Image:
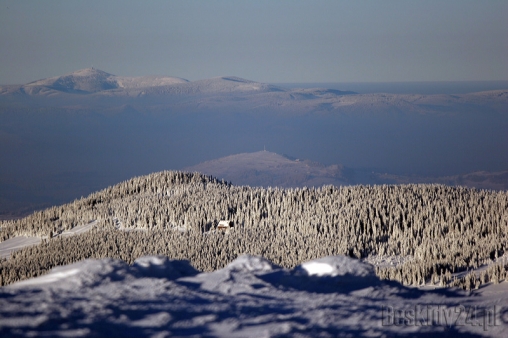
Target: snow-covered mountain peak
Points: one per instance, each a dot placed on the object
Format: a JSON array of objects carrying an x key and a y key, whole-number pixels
[
  {"x": 90, "y": 72},
  {"x": 88, "y": 80},
  {"x": 92, "y": 80}
]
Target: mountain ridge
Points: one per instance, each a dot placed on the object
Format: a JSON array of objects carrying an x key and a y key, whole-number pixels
[
  {"x": 98, "y": 83},
  {"x": 266, "y": 169},
  {"x": 95, "y": 81},
  {"x": 92, "y": 80}
]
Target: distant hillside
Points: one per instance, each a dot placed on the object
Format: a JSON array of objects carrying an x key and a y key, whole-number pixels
[
  {"x": 94, "y": 81},
  {"x": 91, "y": 80},
  {"x": 86, "y": 80},
  {"x": 265, "y": 168},
  {"x": 479, "y": 180}
]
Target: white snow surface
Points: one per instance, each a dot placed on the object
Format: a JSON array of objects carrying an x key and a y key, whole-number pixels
[
  {"x": 338, "y": 266},
  {"x": 10, "y": 245},
  {"x": 13, "y": 244},
  {"x": 80, "y": 229},
  {"x": 251, "y": 297}
]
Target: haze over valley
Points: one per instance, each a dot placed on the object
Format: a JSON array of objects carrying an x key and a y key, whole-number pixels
[{"x": 67, "y": 136}]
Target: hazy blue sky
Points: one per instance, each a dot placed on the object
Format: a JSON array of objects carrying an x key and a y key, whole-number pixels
[{"x": 267, "y": 41}]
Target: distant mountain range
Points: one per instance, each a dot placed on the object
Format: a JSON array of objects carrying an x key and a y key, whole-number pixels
[
  {"x": 230, "y": 92},
  {"x": 89, "y": 80},
  {"x": 94, "y": 81},
  {"x": 234, "y": 93},
  {"x": 266, "y": 169}
]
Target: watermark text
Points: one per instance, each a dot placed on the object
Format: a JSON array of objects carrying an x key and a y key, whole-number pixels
[{"x": 441, "y": 315}]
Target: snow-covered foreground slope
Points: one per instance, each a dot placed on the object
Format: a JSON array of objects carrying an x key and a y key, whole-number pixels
[{"x": 332, "y": 296}]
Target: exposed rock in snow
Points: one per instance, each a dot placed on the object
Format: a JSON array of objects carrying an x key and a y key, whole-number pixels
[{"x": 250, "y": 297}]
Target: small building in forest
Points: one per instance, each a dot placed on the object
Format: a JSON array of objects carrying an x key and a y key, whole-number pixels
[{"x": 224, "y": 225}]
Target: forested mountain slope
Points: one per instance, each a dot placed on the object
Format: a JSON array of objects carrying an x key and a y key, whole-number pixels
[{"x": 440, "y": 229}]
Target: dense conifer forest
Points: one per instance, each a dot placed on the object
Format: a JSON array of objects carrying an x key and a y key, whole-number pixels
[{"x": 439, "y": 229}]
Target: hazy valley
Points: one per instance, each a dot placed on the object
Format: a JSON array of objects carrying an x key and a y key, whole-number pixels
[{"x": 67, "y": 136}]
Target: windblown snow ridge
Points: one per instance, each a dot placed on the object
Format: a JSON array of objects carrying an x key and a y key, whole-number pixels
[{"x": 332, "y": 296}]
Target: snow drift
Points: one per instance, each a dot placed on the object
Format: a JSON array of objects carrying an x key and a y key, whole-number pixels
[{"x": 332, "y": 296}]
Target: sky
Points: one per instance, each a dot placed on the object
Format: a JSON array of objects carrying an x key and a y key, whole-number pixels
[{"x": 266, "y": 41}]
